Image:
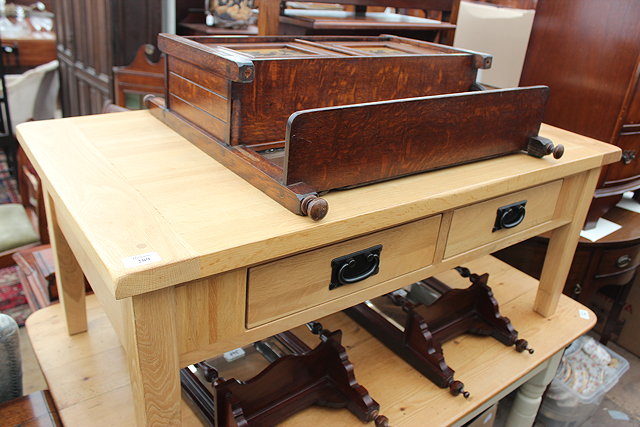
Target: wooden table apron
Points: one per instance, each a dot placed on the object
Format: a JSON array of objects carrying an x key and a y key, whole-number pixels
[{"x": 102, "y": 175}]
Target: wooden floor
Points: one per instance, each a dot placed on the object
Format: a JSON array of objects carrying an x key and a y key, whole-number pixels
[{"x": 88, "y": 377}]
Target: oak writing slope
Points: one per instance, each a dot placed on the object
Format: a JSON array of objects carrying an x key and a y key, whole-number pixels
[{"x": 299, "y": 117}]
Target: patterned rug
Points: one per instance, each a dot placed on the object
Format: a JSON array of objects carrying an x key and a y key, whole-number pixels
[
  {"x": 8, "y": 185},
  {"x": 12, "y": 299}
]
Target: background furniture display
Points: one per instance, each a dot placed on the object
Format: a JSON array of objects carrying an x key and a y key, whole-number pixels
[
  {"x": 274, "y": 18},
  {"x": 608, "y": 266},
  {"x": 588, "y": 53},
  {"x": 36, "y": 271},
  {"x": 23, "y": 226},
  {"x": 108, "y": 400},
  {"x": 93, "y": 37},
  {"x": 142, "y": 77},
  {"x": 482, "y": 27},
  {"x": 193, "y": 271}
]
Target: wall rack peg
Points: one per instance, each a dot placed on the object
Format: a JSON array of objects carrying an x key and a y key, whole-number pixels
[
  {"x": 472, "y": 310},
  {"x": 321, "y": 376}
]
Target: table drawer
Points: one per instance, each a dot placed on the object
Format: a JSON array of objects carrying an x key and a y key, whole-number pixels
[
  {"x": 479, "y": 224},
  {"x": 301, "y": 281}
]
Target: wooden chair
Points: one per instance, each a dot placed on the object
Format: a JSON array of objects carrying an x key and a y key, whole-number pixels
[
  {"x": 23, "y": 225},
  {"x": 141, "y": 77},
  {"x": 272, "y": 19}
]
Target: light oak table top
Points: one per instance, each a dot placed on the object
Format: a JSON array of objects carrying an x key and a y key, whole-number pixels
[
  {"x": 88, "y": 378},
  {"x": 131, "y": 186}
]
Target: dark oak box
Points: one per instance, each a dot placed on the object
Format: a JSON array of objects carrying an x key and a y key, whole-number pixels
[
  {"x": 300, "y": 116},
  {"x": 243, "y": 90}
]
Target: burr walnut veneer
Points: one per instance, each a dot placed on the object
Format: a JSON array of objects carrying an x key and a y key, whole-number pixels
[{"x": 179, "y": 251}]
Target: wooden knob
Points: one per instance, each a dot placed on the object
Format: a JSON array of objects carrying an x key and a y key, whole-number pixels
[
  {"x": 381, "y": 421},
  {"x": 456, "y": 387},
  {"x": 315, "y": 207},
  {"x": 558, "y": 151},
  {"x": 522, "y": 345}
]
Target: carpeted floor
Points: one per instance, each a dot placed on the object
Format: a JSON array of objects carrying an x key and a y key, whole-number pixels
[
  {"x": 12, "y": 299},
  {"x": 8, "y": 185}
]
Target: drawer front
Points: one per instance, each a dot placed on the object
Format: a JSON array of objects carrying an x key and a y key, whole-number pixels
[
  {"x": 302, "y": 281},
  {"x": 617, "y": 266},
  {"x": 474, "y": 225}
]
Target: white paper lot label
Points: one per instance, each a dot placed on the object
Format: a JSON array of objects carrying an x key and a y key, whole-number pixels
[{"x": 142, "y": 259}]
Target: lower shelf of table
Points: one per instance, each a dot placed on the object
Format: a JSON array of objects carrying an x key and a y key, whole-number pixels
[{"x": 88, "y": 377}]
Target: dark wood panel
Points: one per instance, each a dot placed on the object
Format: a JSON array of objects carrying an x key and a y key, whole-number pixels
[
  {"x": 204, "y": 78},
  {"x": 586, "y": 52},
  {"x": 35, "y": 409},
  {"x": 95, "y": 36},
  {"x": 408, "y": 136},
  {"x": 134, "y": 23},
  {"x": 207, "y": 100},
  {"x": 629, "y": 168},
  {"x": 265, "y": 111},
  {"x": 205, "y": 121}
]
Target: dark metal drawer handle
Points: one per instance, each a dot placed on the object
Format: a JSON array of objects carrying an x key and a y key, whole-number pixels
[
  {"x": 623, "y": 261},
  {"x": 355, "y": 267},
  {"x": 510, "y": 216}
]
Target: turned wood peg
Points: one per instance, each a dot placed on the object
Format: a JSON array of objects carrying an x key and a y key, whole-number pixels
[
  {"x": 457, "y": 387},
  {"x": 539, "y": 146},
  {"x": 381, "y": 421},
  {"x": 522, "y": 345},
  {"x": 558, "y": 151},
  {"x": 314, "y": 206}
]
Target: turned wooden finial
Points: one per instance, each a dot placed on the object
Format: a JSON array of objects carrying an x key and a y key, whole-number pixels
[
  {"x": 456, "y": 387},
  {"x": 381, "y": 421},
  {"x": 522, "y": 345},
  {"x": 314, "y": 206},
  {"x": 558, "y": 151}
]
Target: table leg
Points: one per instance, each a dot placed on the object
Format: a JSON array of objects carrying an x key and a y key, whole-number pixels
[
  {"x": 576, "y": 195},
  {"x": 153, "y": 358},
  {"x": 69, "y": 276},
  {"x": 529, "y": 395}
]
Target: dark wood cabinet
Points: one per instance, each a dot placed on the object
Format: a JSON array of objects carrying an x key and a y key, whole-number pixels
[
  {"x": 587, "y": 52},
  {"x": 606, "y": 268},
  {"x": 95, "y": 36}
]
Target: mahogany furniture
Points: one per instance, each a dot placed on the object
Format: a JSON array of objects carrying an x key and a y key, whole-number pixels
[
  {"x": 83, "y": 393},
  {"x": 93, "y": 37},
  {"x": 274, "y": 18},
  {"x": 32, "y": 219},
  {"x": 608, "y": 266},
  {"x": 221, "y": 95},
  {"x": 302, "y": 377},
  {"x": 188, "y": 260},
  {"x": 597, "y": 92},
  {"x": 35, "y": 409},
  {"x": 142, "y": 77},
  {"x": 419, "y": 338},
  {"x": 36, "y": 271}
]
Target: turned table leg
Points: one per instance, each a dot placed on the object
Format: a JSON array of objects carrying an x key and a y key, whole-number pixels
[
  {"x": 69, "y": 276},
  {"x": 153, "y": 358},
  {"x": 529, "y": 396}
]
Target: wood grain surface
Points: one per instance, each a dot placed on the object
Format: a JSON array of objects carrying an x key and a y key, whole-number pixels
[
  {"x": 395, "y": 138},
  {"x": 128, "y": 171},
  {"x": 73, "y": 365}
]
